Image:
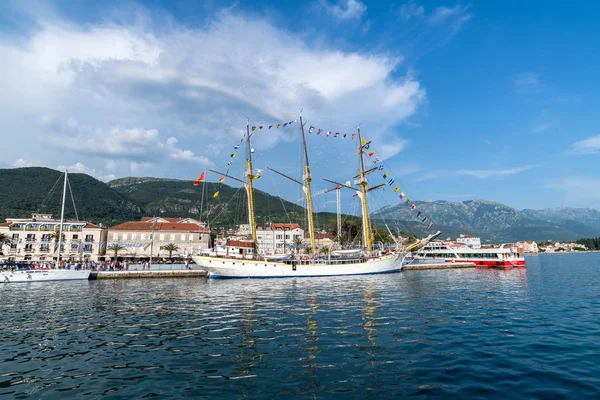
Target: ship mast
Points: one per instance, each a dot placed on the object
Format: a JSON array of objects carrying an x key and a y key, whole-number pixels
[
  {"x": 363, "y": 196},
  {"x": 62, "y": 218},
  {"x": 307, "y": 178},
  {"x": 248, "y": 184}
]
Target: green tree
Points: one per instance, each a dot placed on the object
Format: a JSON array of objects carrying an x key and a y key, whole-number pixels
[
  {"x": 115, "y": 248},
  {"x": 171, "y": 247},
  {"x": 55, "y": 237},
  {"x": 297, "y": 243}
]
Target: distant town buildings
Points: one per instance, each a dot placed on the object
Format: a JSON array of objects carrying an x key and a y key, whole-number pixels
[
  {"x": 36, "y": 239},
  {"x": 273, "y": 238},
  {"x": 529, "y": 246},
  {"x": 140, "y": 238},
  {"x": 468, "y": 240}
]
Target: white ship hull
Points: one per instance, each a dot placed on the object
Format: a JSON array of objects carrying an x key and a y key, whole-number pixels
[
  {"x": 234, "y": 268},
  {"x": 43, "y": 275}
]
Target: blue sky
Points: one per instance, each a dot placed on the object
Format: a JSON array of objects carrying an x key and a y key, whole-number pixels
[{"x": 482, "y": 100}]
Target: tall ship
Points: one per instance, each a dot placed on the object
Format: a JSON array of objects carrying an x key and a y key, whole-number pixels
[{"x": 239, "y": 258}]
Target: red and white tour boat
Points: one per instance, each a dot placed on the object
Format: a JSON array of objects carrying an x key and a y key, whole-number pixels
[{"x": 503, "y": 256}]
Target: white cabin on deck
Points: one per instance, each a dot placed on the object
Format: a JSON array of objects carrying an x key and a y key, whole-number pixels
[{"x": 230, "y": 248}]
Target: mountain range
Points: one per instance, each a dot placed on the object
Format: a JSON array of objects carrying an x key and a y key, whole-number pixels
[
  {"x": 35, "y": 189},
  {"x": 496, "y": 222}
]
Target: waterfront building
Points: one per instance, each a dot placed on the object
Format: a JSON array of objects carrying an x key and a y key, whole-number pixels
[
  {"x": 274, "y": 238},
  {"x": 151, "y": 234},
  {"x": 468, "y": 240},
  {"x": 529, "y": 246},
  {"x": 36, "y": 239}
]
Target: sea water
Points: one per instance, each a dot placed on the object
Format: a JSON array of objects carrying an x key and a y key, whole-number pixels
[{"x": 468, "y": 333}]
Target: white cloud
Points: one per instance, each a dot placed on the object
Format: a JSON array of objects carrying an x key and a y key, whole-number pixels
[
  {"x": 476, "y": 173},
  {"x": 126, "y": 93},
  {"x": 455, "y": 16},
  {"x": 346, "y": 9},
  {"x": 541, "y": 128},
  {"x": 21, "y": 163},
  {"x": 79, "y": 168},
  {"x": 410, "y": 11},
  {"x": 589, "y": 145}
]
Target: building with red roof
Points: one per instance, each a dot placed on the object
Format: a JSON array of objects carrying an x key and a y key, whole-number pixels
[{"x": 149, "y": 237}]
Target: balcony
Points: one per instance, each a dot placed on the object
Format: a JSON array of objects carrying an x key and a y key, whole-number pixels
[
  {"x": 44, "y": 250},
  {"x": 89, "y": 240}
]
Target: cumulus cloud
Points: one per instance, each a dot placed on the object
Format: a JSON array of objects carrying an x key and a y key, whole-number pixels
[
  {"x": 133, "y": 94},
  {"x": 79, "y": 168},
  {"x": 589, "y": 145},
  {"x": 21, "y": 163}
]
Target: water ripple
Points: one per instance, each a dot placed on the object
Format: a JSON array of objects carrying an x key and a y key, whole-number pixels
[{"x": 465, "y": 333}]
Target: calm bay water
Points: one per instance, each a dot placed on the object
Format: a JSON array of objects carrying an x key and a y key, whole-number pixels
[{"x": 530, "y": 333}]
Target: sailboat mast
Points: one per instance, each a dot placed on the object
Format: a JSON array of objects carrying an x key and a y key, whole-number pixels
[
  {"x": 307, "y": 180},
  {"x": 363, "y": 196},
  {"x": 62, "y": 216},
  {"x": 248, "y": 184}
]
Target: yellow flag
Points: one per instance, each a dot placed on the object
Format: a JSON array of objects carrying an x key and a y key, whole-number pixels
[
  {"x": 396, "y": 188},
  {"x": 216, "y": 194},
  {"x": 222, "y": 180},
  {"x": 364, "y": 141}
]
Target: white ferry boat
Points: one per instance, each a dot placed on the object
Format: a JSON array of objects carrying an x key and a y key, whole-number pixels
[{"x": 503, "y": 256}]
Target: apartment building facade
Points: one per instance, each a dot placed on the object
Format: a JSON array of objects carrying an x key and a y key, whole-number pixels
[
  {"x": 274, "y": 238},
  {"x": 36, "y": 239},
  {"x": 149, "y": 236}
]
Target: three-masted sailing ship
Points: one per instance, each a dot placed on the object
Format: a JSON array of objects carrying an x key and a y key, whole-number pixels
[{"x": 251, "y": 265}]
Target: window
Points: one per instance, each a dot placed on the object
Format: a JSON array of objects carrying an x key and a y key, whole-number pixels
[
  {"x": 287, "y": 236},
  {"x": 115, "y": 236},
  {"x": 171, "y": 236},
  {"x": 75, "y": 237},
  {"x": 30, "y": 236},
  {"x": 28, "y": 247},
  {"x": 279, "y": 237},
  {"x": 15, "y": 236},
  {"x": 89, "y": 238},
  {"x": 74, "y": 246},
  {"x": 88, "y": 247},
  {"x": 143, "y": 236},
  {"x": 183, "y": 236},
  {"x": 296, "y": 236},
  {"x": 124, "y": 236},
  {"x": 45, "y": 237},
  {"x": 133, "y": 236},
  {"x": 191, "y": 237},
  {"x": 162, "y": 236}
]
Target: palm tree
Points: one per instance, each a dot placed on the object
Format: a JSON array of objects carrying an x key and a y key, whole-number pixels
[
  {"x": 54, "y": 236},
  {"x": 116, "y": 247},
  {"x": 4, "y": 239},
  {"x": 324, "y": 250},
  {"x": 297, "y": 244},
  {"x": 171, "y": 247}
]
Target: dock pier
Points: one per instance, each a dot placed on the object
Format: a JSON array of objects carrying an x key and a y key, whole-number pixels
[{"x": 182, "y": 273}]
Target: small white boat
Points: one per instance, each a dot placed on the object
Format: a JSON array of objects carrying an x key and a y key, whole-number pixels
[
  {"x": 16, "y": 274},
  {"x": 346, "y": 253}
]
